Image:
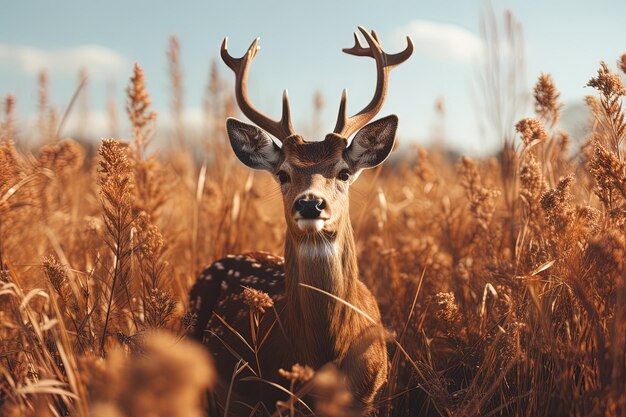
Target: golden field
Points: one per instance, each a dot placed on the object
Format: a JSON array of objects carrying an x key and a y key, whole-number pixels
[{"x": 500, "y": 280}]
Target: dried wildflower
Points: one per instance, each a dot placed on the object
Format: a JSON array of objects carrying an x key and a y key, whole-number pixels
[
  {"x": 512, "y": 349},
  {"x": 62, "y": 157},
  {"x": 622, "y": 63},
  {"x": 607, "y": 82},
  {"x": 159, "y": 304},
  {"x": 531, "y": 180},
  {"x": 150, "y": 238},
  {"x": 5, "y": 276},
  {"x": 531, "y": 130},
  {"x": 257, "y": 300},
  {"x": 152, "y": 189},
  {"x": 563, "y": 141},
  {"x": 608, "y": 252},
  {"x": 6, "y": 125},
  {"x": 57, "y": 276},
  {"x": 115, "y": 159},
  {"x": 590, "y": 218},
  {"x": 555, "y": 203},
  {"x": 547, "y": 104},
  {"x": 448, "y": 311},
  {"x": 482, "y": 200},
  {"x": 176, "y": 80},
  {"x": 116, "y": 182},
  {"x": 609, "y": 173},
  {"x": 298, "y": 373},
  {"x": 42, "y": 104},
  {"x": 464, "y": 269},
  {"x": 159, "y": 308},
  {"x": 423, "y": 166},
  {"x": 10, "y": 164},
  {"x": 9, "y": 107},
  {"x": 611, "y": 127},
  {"x": 138, "y": 108},
  {"x": 189, "y": 321}
]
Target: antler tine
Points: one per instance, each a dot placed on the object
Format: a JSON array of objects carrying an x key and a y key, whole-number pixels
[
  {"x": 375, "y": 36},
  {"x": 342, "y": 118},
  {"x": 282, "y": 128},
  {"x": 235, "y": 63},
  {"x": 285, "y": 119},
  {"x": 357, "y": 49},
  {"x": 397, "y": 59},
  {"x": 346, "y": 126}
]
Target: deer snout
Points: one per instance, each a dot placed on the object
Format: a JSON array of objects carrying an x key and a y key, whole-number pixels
[
  {"x": 309, "y": 213},
  {"x": 310, "y": 208}
]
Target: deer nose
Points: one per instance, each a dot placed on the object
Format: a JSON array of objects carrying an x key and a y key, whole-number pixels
[{"x": 310, "y": 209}]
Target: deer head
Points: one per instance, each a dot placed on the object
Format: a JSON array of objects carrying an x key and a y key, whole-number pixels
[{"x": 314, "y": 177}]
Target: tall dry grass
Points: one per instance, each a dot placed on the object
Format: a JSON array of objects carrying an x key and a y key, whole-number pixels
[{"x": 502, "y": 279}]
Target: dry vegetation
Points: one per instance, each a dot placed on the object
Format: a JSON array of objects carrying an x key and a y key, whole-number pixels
[{"x": 505, "y": 291}]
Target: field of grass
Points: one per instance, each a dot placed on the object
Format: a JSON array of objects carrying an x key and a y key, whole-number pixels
[{"x": 502, "y": 279}]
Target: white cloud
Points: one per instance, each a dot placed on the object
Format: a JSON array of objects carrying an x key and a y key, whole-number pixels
[
  {"x": 100, "y": 62},
  {"x": 442, "y": 40}
]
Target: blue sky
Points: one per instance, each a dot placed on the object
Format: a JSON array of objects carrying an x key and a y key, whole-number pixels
[{"x": 300, "y": 50}]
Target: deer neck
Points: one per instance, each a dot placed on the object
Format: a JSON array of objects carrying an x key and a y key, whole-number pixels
[{"x": 318, "y": 324}]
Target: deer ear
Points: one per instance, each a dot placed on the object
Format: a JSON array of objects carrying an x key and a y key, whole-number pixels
[
  {"x": 373, "y": 143},
  {"x": 252, "y": 145}
]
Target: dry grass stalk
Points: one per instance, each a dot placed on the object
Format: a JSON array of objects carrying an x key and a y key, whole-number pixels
[
  {"x": 609, "y": 115},
  {"x": 7, "y": 127},
  {"x": 257, "y": 300},
  {"x": 176, "y": 80},
  {"x": 547, "y": 104},
  {"x": 139, "y": 110},
  {"x": 116, "y": 183}
]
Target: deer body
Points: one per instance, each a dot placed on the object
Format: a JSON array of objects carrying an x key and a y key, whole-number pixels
[{"x": 322, "y": 312}]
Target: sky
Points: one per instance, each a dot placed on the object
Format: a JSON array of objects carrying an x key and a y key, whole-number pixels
[{"x": 301, "y": 46}]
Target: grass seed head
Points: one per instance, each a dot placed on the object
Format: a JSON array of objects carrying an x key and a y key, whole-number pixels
[
  {"x": 547, "y": 104},
  {"x": 607, "y": 82},
  {"x": 531, "y": 130},
  {"x": 257, "y": 300},
  {"x": 298, "y": 373},
  {"x": 622, "y": 63}
]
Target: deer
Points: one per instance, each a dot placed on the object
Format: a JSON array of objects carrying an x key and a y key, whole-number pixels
[{"x": 322, "y": 312}]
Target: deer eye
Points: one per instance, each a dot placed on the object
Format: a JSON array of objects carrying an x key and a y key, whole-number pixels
[
  {"x": 283, "y": 177},
  {"x": 344, "y": 175}
]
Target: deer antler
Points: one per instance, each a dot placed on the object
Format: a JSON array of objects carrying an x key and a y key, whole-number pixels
[
  {"x": 282, "y": 128},
  {"x": 346, "y": 126}
]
